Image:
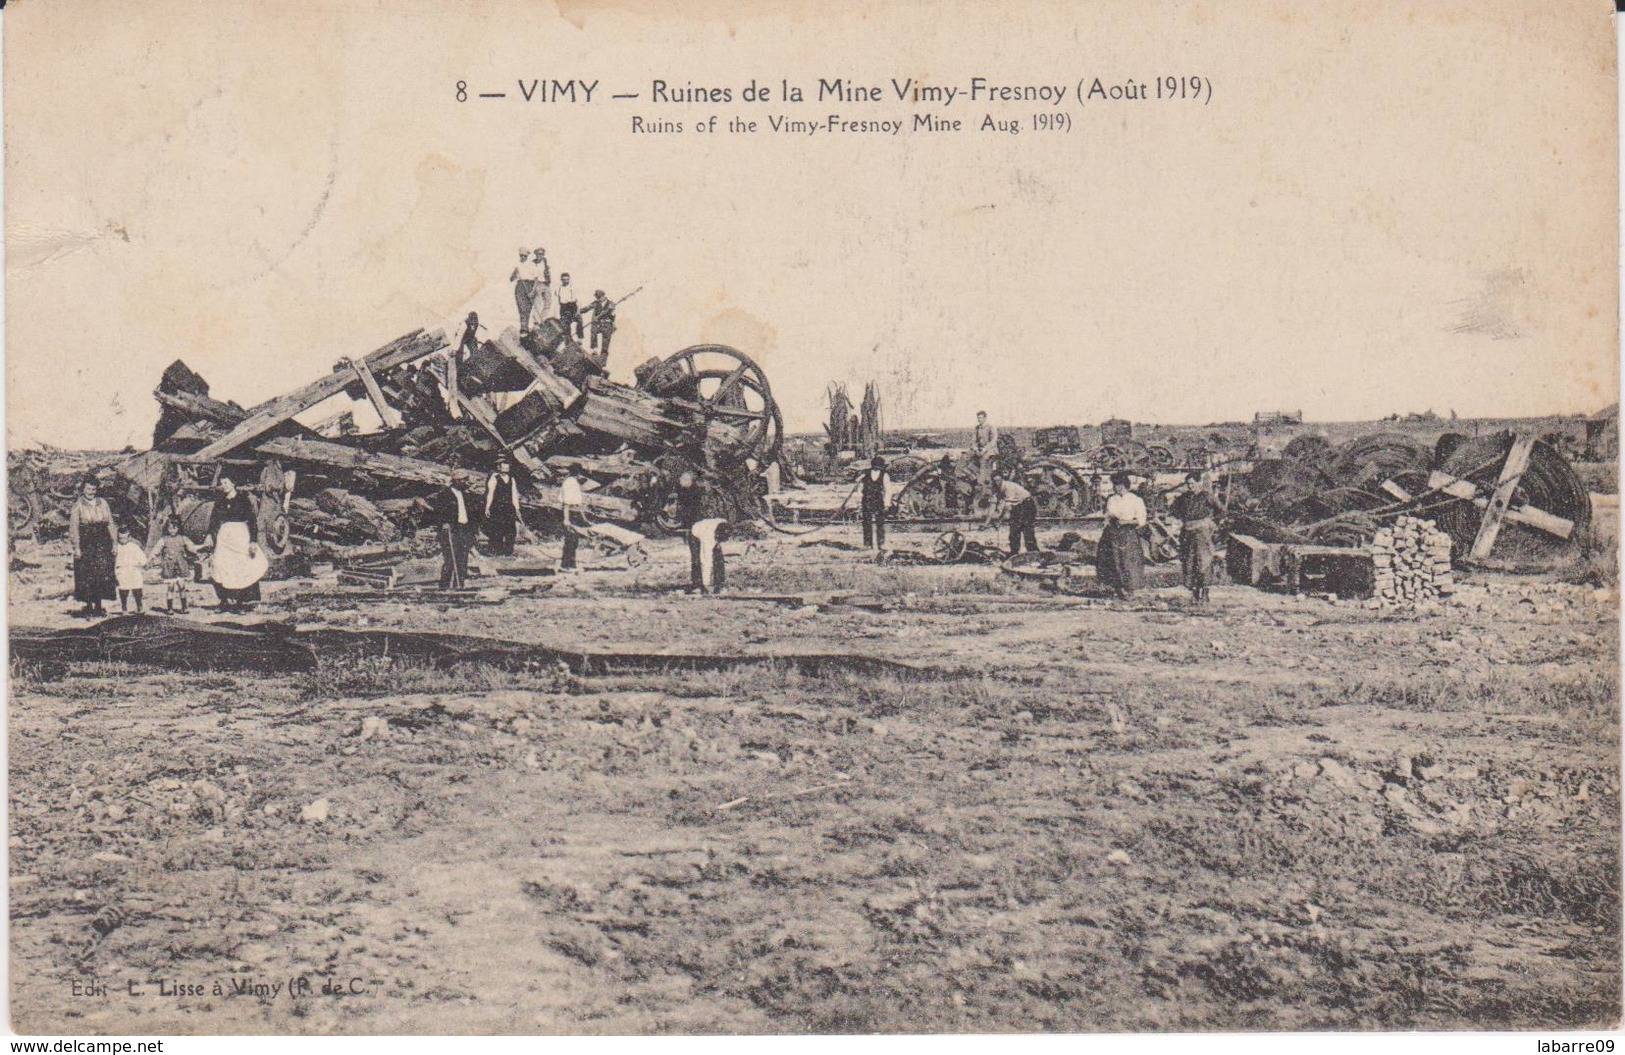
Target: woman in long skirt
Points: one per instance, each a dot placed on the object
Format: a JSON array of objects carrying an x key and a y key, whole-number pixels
[
  {"x": 92, "y": 535},
  {"x": 1120, "y": 562},
  {"x": 238, "y": 563}
]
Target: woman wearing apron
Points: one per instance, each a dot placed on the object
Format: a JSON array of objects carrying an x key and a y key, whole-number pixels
[
  {"x": 239, "y": 563},
  {"x": 92, "y": 535}
]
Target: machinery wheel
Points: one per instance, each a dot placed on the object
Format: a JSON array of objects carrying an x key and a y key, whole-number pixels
[
  {"x": 1058, "y": 489},
  {"x": 726, "y": 386},
  {"x": 22, "y": 512},
  {"x": 1549, "y": 485},
  {"x": 949, "y": 547},
  {"x": 1108, "y": 457},
  {"x": 926, "y": 494},
  {"x": 1160, "y": 457}
]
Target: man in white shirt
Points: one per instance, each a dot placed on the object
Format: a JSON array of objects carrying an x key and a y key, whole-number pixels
[
  {"x": 524, "y": 289},
  {"x": 1023, "y": 509},
  {"x": 710, "y": 534},
  {"x": 1120, "y": 562},
  {"x": 569, "y": 307},
  {"x": 573, "y": 504},
  {"x": 455, "y": 519}
]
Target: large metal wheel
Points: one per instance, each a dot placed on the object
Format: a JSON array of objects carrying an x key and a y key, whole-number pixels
[
  {"x": 1059, "y": 490},
  {"x": 1548, "y": 485},
  {"x": 1160, "y": 456},
  {"x": 22, "y": 512},
  {"x": 1108, "y": 457},
  {"x": 725, "y": 385},
  {"x": 935, "y": 493}
]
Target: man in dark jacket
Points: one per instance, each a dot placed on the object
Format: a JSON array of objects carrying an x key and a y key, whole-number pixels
[
  {"x": 502, "y": 509},
  {"x": 1197, "y": 515},
  {"x": 873, "y": 509}
]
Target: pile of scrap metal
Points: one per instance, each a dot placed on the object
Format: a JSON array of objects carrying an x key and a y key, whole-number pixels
[
  {"x": 537, "y": 399},
  {"x": 1506, "y": 499}
]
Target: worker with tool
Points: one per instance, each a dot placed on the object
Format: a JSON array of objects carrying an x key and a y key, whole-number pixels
[
  {"x": 1196, "y": 512},
  {"x": 1023, "y": 509},
  {"x": 603, "y": 324}
]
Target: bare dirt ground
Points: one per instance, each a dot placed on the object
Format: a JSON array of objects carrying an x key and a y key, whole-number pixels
[{"x": 1276, "y": 813}]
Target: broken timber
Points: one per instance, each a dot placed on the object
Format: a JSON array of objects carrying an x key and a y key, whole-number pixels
[{"x": 269, "y": 415}]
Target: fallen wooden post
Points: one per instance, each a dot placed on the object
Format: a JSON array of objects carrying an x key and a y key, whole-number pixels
[{"x": 269, "y": 415}]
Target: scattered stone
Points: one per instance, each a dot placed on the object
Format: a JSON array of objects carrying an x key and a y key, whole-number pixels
[
  {"x": 1119, "y": 858},
  {"x": 315, "y": 813},
  {"x": 1338, "y": 774}
]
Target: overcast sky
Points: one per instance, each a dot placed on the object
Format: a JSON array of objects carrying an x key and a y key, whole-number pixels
[{"x": 1374, "y": 213}]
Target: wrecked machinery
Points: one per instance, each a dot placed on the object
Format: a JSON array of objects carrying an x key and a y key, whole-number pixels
[{"x": 537, "y": 399}]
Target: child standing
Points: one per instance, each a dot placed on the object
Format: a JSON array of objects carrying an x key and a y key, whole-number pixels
[
  {"x": 175, "y": 553},
  {"x": 129, "y": 569}
]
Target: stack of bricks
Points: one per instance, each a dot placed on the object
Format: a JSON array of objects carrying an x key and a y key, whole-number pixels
[{"x": 1412, "y": 561}]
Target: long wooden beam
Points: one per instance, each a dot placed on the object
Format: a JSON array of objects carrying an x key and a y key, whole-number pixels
[
  {"x": 269, "y": 415},
  {"x": 1512, "y": 470},
  {"x": 386, "y": 413}
]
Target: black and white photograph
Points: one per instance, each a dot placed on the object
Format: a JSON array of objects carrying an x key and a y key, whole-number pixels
[{"x": 605, "y": 518}]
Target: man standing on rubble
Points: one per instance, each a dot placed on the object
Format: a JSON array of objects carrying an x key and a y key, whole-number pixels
[
  {"x": 502, "y": 509},
  {"x": 603, "y": 324},
  {"x": 524, "y": 289},
  {"x": 456, "y": 521},
  {"x": 1194, "y": 508},
  {"x": 984, "y": 445},
  {"x": 544, "y": 284},
  {"x": 569, "y": 309}
]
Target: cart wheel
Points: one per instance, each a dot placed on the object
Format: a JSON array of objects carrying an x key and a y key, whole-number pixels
[
  {"x": 21, "y": 513},
  {"x": 636, "y": 555}
]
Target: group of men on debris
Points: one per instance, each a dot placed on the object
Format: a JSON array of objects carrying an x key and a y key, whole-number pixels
[{"x": 534, "y": 295}]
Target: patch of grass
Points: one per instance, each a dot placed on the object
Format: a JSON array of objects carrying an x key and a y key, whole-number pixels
[
  {"x": 349, "y": 675},
  {"x": 1593, "y": 694}
]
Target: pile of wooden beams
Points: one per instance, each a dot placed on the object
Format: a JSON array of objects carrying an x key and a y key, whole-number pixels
[{"x": 1412, "y": 561}]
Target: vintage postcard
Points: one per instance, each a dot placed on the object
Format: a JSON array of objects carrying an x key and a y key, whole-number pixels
[{"x": 608, "y": 517}]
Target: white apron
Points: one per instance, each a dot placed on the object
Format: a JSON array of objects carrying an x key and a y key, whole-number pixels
[{"x": 234, "y": 568}]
